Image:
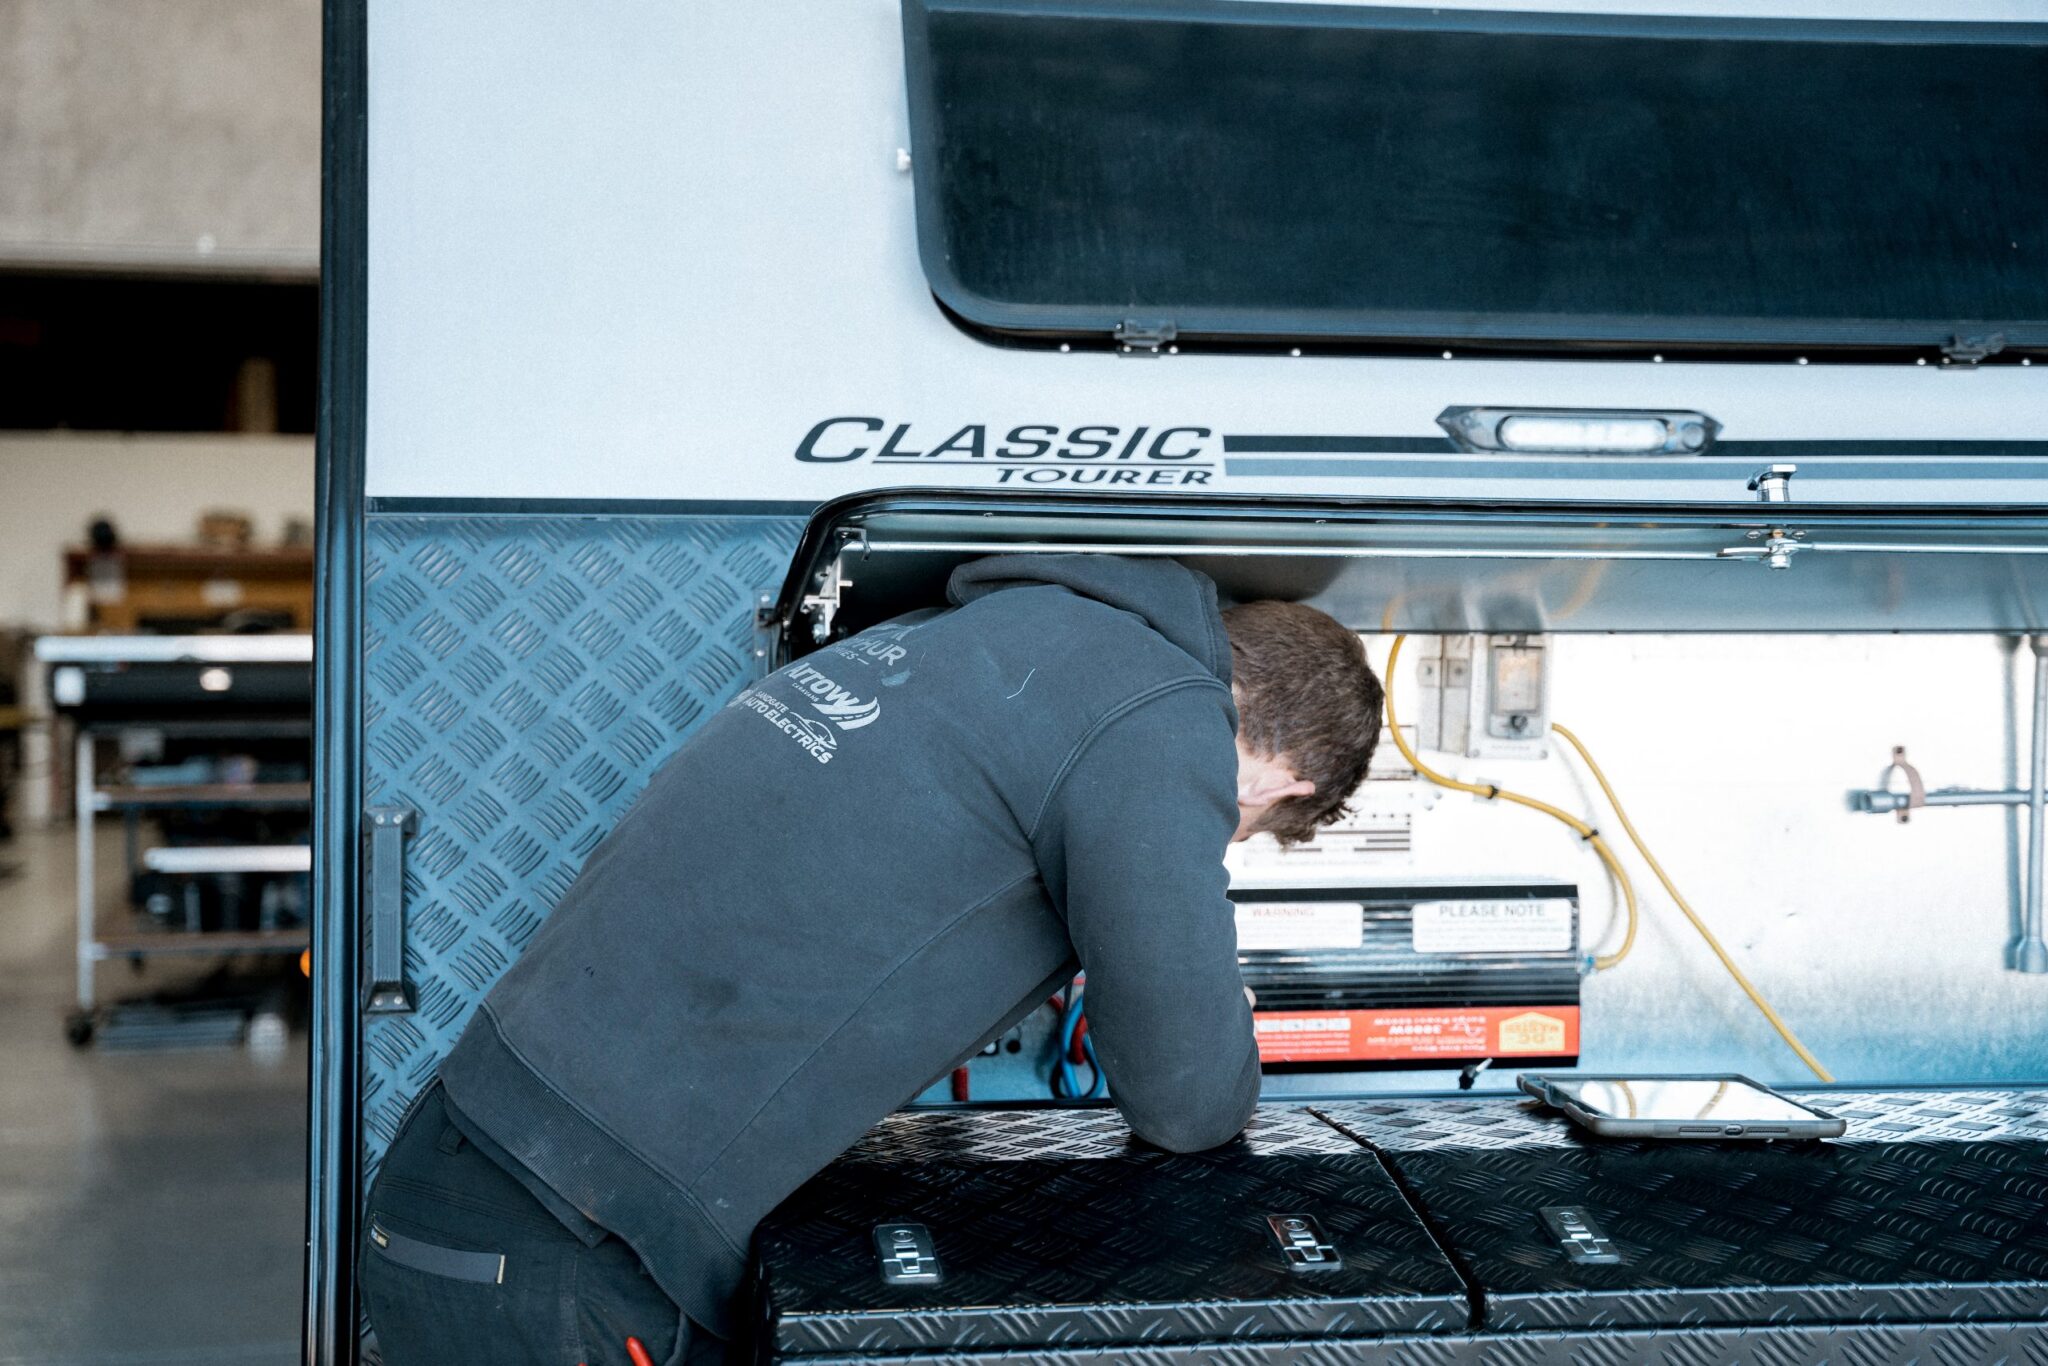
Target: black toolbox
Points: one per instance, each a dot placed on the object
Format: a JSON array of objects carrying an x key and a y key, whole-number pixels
[
  {"x": 1023, "y": 1230},
  {"x": 1467, "y": 1230}
]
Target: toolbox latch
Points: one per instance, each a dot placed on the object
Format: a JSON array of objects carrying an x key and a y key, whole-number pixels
[
  {"x": 1581, "y": 1238},
  {"x": 1302, "y": 1243},
  {"x": 908, "y": 1257}
]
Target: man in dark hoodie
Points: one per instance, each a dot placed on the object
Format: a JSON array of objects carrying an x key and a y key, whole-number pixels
[{"x": 864, "y": 868}]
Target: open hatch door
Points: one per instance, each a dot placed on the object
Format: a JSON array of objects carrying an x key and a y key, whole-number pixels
[{"x": 1447, "y": 567}]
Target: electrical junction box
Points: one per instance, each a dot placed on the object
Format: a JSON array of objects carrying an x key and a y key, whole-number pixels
[
  {"x": 1372, "y": 841},
  {"x": 1417, "y": 975},
  {"x": 1485, "y": 697}
]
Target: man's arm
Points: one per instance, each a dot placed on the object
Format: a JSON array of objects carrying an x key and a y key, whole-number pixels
[{"x": 1131, "y": 847}]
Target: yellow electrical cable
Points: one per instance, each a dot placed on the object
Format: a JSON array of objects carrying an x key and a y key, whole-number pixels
[
  {"x": 1621, "y": 813},
  {"x": 1488, "y": 790}
]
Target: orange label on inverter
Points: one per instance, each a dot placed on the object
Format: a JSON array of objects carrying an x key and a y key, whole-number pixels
[{"x": 1426, "y": 1032}]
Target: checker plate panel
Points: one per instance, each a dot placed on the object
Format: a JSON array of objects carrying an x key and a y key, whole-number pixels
[{"x": 523, "y": 678}]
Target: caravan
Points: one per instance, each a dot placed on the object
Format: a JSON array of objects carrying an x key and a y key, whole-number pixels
[{"x": 1664, "y": 375}]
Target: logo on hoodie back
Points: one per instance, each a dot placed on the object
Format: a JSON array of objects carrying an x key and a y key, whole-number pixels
[
  {"x": 837, "y": 709},
  {"x": 833, "y": 702}
]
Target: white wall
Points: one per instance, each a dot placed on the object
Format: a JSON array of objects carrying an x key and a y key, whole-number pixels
[
  {"x": 153, "y": 486},
  {"x": 181, "y": 134},
  {"x": 1882, "y": 944}
]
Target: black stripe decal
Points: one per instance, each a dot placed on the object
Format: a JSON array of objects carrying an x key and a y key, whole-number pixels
[
  {"x": 1731, "y": 450},
  {"x": 487, "y": 1268},
  {"x": 1336, "y": 445}
]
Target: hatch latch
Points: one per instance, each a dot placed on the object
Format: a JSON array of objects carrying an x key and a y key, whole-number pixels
[
  {"x": 1969, "y": 350},
  {"x": 1135, "y": 338}
]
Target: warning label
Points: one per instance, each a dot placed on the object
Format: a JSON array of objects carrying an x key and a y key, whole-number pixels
[
  {"x": 1300, "y": 925},
  {"x": 1493, "y": 926},
  {"x": 1453, "y": 1033}
]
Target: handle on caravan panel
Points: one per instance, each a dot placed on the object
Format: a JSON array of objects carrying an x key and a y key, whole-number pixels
[{"x": 385, "y": 878}]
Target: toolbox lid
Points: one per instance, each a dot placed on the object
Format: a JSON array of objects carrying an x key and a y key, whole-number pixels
[
  {"x": 1054, "y": 1227},
  {"x": 1934, "y": 1208}
]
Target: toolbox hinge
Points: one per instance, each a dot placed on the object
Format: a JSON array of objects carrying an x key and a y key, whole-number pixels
[
  {"x": 1134, "y": 338},
  {"x": 1969, "y": 350}
]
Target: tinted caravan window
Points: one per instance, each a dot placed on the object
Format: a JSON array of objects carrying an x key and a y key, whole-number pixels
[{"x": 1262, "y": 170}]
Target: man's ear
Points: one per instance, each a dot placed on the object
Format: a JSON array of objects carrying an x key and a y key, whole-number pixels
[{"x": 1270, "y": 785}]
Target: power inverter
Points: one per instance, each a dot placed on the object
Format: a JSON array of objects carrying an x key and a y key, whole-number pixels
[{"x": 1418, "y": 975}]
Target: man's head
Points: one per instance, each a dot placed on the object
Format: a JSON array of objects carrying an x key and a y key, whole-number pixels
[{"x": 1308, "y": 717}]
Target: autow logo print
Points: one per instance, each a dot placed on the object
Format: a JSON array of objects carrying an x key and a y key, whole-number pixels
[
  {"x": 843, "y": 709},
  {"x": 840, "y": 710}
]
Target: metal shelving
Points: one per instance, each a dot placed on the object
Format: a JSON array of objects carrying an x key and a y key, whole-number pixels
[{"x": 131, "y": 937}]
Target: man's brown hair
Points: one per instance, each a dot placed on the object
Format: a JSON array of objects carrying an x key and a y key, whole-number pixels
[{"x": 1306, "y": 697}]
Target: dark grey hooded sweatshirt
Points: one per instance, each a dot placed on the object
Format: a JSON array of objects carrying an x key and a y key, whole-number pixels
[{"x": 862, "y": 869}]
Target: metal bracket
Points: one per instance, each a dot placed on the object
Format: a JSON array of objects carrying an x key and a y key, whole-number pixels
[
  {"x": 766, "y": 625},
  {"x": 388, "y": 993},
  {"x": 1773, "y": 483},
  {"x": 1916, "y": 790},
  {"x": 822, "y": 606},
  {"x": 1134, "y": 338},
  {"x": 1773, "y": 551},
  {"x": 1302, "y": 1243},
  {"x": 1968, "y": 351}
]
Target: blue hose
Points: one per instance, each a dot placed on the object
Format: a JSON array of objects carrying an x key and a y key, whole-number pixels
[{"x": 1066, "y": 1079}]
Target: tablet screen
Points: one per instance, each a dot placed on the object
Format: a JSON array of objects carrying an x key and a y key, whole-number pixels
[{"x": 1729, "y": 1101}]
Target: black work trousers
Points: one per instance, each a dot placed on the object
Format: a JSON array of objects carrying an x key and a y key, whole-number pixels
[{"x": 461, "y": 1264}]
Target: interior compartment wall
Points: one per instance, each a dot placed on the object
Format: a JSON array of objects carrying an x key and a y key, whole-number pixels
[{"x": 1883, "y": 944}]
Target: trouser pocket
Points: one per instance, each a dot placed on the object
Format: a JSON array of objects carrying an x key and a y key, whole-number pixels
[
  {"x": 461, "y": 1264},
  {"x": 485, "y": 1268},
  {"x": 434, "y": 1302}
]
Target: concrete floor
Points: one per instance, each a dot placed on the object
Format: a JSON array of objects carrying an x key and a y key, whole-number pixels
[{"x": 151, "y": 1207}]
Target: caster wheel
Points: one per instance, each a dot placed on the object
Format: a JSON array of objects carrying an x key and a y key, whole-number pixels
[{"x": 78, "y": 1028}]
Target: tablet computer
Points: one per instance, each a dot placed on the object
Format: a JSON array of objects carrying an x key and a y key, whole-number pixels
[{"x": 1726, "y": 1107}]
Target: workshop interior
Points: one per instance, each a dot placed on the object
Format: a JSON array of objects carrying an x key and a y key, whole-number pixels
[{"x": 1655, "y": 389}]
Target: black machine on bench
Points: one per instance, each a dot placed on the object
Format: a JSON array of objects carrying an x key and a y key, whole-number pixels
[{"x": 1422, "y": 1231}]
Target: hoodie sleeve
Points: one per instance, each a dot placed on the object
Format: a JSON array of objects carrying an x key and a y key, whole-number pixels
[{"x": 1131, "y": 848}]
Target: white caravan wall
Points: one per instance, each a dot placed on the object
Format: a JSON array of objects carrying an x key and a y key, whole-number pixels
[
  {"x": 639, "y": 250},
  {"x": 154, "y": 487}
]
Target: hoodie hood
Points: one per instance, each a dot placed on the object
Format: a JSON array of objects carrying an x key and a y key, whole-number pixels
[{"x": 1177, "y": 602}]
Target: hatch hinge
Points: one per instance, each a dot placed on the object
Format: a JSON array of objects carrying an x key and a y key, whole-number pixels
[
  {"x": 1134, "y": 338},
  {"x": 1962, "y": 350},
  {"x": 822, "y": 605}
]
